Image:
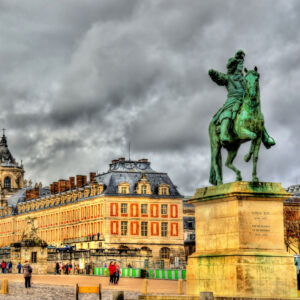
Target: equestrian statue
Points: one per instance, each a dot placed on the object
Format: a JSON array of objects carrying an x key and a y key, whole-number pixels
[{"x": 239, "y": 120}]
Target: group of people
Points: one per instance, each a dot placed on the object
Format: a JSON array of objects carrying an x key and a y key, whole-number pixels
[
  {"x": 6, "y": 267},
  {"x": 61, "y": 268},
  {"x": 27, "y": 270},
  {"x": 114, "y": 273}
]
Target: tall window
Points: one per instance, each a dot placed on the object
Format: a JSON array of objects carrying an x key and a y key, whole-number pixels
[
  {"x": 123, "y": 208},
  {"x": 144, "y": 229},
  {"x": 144, "y": 189},
  {"x": 123, "y": 190},
  {"x": 33, "y": 257},
  {"x": 164, "y": 229},
  {"x": 164, "y": 209},
  {"x": 144, "y": 209},
  {"x": 165, "y": 252},
  {"x": 7, "y": 182},
  {"x": 123, "y": 227}
]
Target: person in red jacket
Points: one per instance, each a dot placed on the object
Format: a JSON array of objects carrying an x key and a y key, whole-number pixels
[
  {"x": 3, "y": 266},
  {"x": 112, "y": 272}
]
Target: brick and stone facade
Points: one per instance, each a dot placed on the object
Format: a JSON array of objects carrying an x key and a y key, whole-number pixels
[{"x": 130, "y": 206}]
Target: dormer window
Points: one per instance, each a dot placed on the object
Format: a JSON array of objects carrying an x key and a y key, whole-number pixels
[
  {"x": 144, "y": 189},
  {"x": 7, "y": 182},
  {"x": 164, "y": 190},
  {"x": 143, "y": 186},
  {"x": 100, "y": 189},
  {"x": 123, "y": 188}
]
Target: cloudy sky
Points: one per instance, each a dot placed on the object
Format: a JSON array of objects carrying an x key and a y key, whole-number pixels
[{"x": 79, "y": 80}]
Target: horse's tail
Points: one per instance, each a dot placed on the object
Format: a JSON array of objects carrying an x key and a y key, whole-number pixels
[{"x": 212, "y": 173}]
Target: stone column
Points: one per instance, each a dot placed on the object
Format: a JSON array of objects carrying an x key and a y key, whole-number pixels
[{"x": 240, "y": 242}]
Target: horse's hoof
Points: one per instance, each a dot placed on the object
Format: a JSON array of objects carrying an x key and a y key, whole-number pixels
[
  {"x": 255, "y": 179},
  {"x": 238, "y": 178},
  {"x": 247, "y": 157}
]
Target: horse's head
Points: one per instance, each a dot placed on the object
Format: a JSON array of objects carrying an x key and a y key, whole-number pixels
[{"x": 252, "y": 82}]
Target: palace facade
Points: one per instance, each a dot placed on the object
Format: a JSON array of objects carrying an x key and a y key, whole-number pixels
[{"x": 130, "y": 206}]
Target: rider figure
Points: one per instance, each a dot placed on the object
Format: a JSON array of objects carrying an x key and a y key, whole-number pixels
[{"x": 235, "y": 84}]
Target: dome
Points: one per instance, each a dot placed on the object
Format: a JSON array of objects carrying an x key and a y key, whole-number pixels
[{"x": 5, "y": 154}]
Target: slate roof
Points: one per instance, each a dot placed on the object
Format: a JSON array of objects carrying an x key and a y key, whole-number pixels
[
  {"x": 131, "y": 172},
  {"x": 120, "y": 171},
  {"x": 20, "y": 195}
]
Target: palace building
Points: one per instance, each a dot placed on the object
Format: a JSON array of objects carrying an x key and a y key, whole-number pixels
[{"x": 130, "y": 206}]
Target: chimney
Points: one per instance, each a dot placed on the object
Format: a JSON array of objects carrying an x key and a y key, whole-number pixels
[
  {"x": 92, "y": 177},
  {"x": 28, "y": 195},
  {"x": 51, "y": 188},
  {"x": 36, "y": 192},
  {"x": 72, "y": 182},
  {"x": 79, "y": 182},
  {"x": 143, "y": 160},
  {"x": 62, "y": 185},
  {"x": 84, "y": 179},
  {"x": 55, "y": 187}
]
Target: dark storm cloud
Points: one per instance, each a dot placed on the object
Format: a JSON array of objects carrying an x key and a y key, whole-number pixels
[{"x": 80, "y": 80}]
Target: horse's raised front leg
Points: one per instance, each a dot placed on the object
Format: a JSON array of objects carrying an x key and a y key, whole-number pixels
[
  {"x": 255, "y": 159},
  {"x": 231, "y": 156}
]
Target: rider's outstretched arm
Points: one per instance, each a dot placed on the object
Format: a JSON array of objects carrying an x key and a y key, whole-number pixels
[{"x": 218, "y": 77}]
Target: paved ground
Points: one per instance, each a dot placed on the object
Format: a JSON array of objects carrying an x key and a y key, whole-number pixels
[{"x": 62, "y": 287}]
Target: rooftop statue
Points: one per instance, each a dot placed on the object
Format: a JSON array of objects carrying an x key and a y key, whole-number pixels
[{"x": 239, "y": 120}]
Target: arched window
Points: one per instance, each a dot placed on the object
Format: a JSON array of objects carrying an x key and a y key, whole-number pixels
[
  {"x": 164, "y": 252},
  {"x": 7, "y": 182}
]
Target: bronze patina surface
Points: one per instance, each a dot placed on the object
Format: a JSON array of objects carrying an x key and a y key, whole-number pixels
[{"x": 239, "y": 120}]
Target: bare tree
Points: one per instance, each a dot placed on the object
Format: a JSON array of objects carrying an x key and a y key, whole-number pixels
[{"x": 292, "y": 227}]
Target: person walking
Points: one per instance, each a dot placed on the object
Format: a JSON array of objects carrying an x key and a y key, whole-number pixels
[
  {"x": 111, "y": 271},
  {"x": 3, "y": 266},
  {"x": 19, "y": 267},
  {"x": 9, "y": 267},
  {"x": 70, "y": 267},
  {"x": 27, "y": 274},
  {"x": 117, "y": 274},
  {"x": 57, "y": 268}
]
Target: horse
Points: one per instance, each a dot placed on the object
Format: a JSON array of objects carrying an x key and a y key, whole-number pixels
[{"x": 247, "y": 126}]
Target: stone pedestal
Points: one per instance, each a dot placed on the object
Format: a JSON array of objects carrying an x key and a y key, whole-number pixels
[{"x": 240, "y": 242}]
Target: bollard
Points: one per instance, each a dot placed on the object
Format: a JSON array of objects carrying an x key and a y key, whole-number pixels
[
  {"x": 145, "y": 286},
  {"x": 206, "y": 296},
  {"x": 4, "y": 288},
  {"x": 118, "y": 295},
  {"x": 180, "y": 287}
]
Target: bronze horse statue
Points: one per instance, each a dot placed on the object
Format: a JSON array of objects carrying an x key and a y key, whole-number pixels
[{"x": 248, "y": 126}]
